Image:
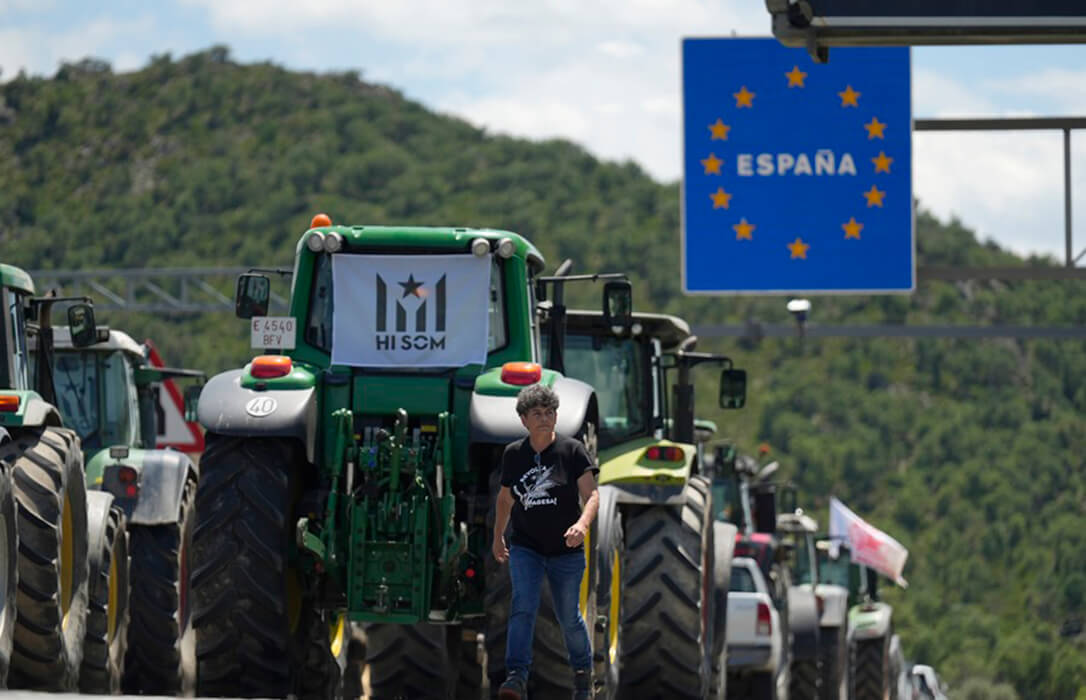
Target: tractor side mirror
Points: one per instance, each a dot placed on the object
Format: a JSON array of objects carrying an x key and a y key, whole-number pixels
[
  {"x": 81, "y": 324},
  {"x": 618, "y": 304},
  {"x": 733, "y": 388},
  {"x": 251, "y": 298},
  {"x": 192, "y": 400}
]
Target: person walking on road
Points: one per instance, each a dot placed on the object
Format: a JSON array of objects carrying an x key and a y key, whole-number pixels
[{"x": 544, "y": 478}]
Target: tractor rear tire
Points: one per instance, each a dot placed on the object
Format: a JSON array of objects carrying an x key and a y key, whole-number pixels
[
  {"x": 9, "y": 577},
  {"x": 254, "y": 639},
  {"x": 162, "y": 642},
  {"x": 408, "y": 661},
  {"x": 610, "y": 548},
  {"x": 108, "y": 612},
  {"x": 871, "y": 669},
  {"x": 803, "y": 680},
  {"x": 832, "y": 650},
  {"x": 668, "y": 601},
  {"x": 52, "y": 564}
]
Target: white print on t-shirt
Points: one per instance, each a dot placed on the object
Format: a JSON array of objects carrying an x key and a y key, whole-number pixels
[{"x": 534, "y": 487}]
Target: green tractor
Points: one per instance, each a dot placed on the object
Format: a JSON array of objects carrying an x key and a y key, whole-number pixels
[
  {"x": 350, "y": 471},
  {"x": 874, "y": 667},
  {"x": 107, "y": 392},
  {"x": 664, "y": 564},
  {"x": 65, "y": 627}
]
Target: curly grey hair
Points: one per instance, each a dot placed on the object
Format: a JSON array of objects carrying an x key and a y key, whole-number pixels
[{"x": 536, "y": 396}]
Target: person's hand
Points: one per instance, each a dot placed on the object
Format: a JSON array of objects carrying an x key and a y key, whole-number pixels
[
  {"x": 575, "y": 535},
  {"x": 501, "y": 552}
]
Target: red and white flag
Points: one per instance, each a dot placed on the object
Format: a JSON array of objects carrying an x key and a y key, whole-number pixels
[{"x": 867, "y": 544}]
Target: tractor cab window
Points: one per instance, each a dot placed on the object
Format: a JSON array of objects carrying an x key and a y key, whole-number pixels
[
  {"x": 804, "y": 571},
  {"x": 497, "y": 334},
  {"x": 18, "y": 353},
  {"x": 318, "y": 328},
  {"x": 75, "y": 378},
  {"x": 120, "y": 404},
  {"x": 616, "y": 368},
  {"x": 835, "y": 571}
]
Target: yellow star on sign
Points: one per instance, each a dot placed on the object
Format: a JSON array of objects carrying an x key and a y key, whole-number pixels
[
  {"x": 798, "y": 248},
  {"x": 882, "y": 163},
  {"x": 720, "y": 130},
  {"x": 874, "y": 196},
  {"x": 874, "y": 129},
  {"x": 852, "y": 228},
  {"x": 712, "y": 164},
  {"x": 796, "y": 77},
  {"x": 743, "y": 229},
  {"x": 743, "y": 98},
  {"x": 849, "y": 96},
  {"x": 721, "y": 198}
]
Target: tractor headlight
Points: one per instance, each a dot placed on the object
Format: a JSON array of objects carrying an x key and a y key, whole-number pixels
[
  {"x": 506, "y": 247},
  {"x": 333, "y": 243},
  {"x": 315, "y": 242},
  {"x": 480, "y": 247}
]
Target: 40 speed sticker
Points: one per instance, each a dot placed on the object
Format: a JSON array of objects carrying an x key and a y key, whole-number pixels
[{"x": 261, "y": 406}]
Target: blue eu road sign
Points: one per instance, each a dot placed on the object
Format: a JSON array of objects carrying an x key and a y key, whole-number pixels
[{"x": 797, "y": 176}]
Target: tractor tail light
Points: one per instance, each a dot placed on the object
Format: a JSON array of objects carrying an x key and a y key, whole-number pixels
[
  {"x": 270, "y": 366},
  {"x": 764, "y": 626},
  {"x": 668, "y": 453},
  {"x": 9, "y": 403},
  {"x": 521, "y": 373},
  {"x": 126, "y": 475}
]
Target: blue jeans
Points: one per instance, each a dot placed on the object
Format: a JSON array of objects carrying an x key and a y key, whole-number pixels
[{"x": 564, "y": 572}]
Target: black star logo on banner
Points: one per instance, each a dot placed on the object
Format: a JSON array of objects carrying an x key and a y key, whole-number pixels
[{"x": 411, "y": 287}]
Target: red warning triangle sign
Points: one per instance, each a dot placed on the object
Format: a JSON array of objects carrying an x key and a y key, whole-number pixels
[{"x": 173, "y": 430}]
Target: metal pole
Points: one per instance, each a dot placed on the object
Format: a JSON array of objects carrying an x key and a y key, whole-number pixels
[{"x": 1067, "y": 194}]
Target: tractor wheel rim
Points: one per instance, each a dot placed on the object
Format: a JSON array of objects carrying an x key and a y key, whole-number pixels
[
  {"x": 67, "y": 559},
  {"x": 615, "y": 606}
]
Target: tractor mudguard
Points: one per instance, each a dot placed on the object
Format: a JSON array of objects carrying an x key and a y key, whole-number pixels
[
  {"x": 227, "y": 408},
  {"x": 494, "y": 419},
  {"x": 834, "y": 604},
  {"x": 869, "y": 621},
  {"x": 162, "y": 485},
  {"x": 34, "y": 412},
  {"x": 98, "y": 505},
  {"x": 803, "y": 623}
]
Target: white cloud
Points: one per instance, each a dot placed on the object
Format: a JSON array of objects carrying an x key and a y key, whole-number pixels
[
  {"x": 7, "y": 6},
  {"x": 1064, "y": 89},
  {"x": 40, "y": 51},
  {"x": 620, "y": 49}
]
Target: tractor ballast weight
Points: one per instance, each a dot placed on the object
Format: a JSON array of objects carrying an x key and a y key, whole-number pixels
[{"x": 376, "y": 471}]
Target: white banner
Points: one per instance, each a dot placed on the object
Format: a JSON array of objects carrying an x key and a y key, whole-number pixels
[
  {"x": 867, "y": 544},
  {"x": 410, "y": 310}
]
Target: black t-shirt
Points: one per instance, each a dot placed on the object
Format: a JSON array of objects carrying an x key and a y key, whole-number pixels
[{"x": 545, "y": 493}]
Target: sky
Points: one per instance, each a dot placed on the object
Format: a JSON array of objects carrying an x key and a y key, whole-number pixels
[{"x": 605, "y": 74}]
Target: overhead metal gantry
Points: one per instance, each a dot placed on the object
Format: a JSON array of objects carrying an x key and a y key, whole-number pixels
[
  {"x": 818, "y": 25},
  {"x": 168, "y": 290}
]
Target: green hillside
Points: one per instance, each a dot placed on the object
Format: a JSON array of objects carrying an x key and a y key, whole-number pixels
[{"x": 969, "y": 452}]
